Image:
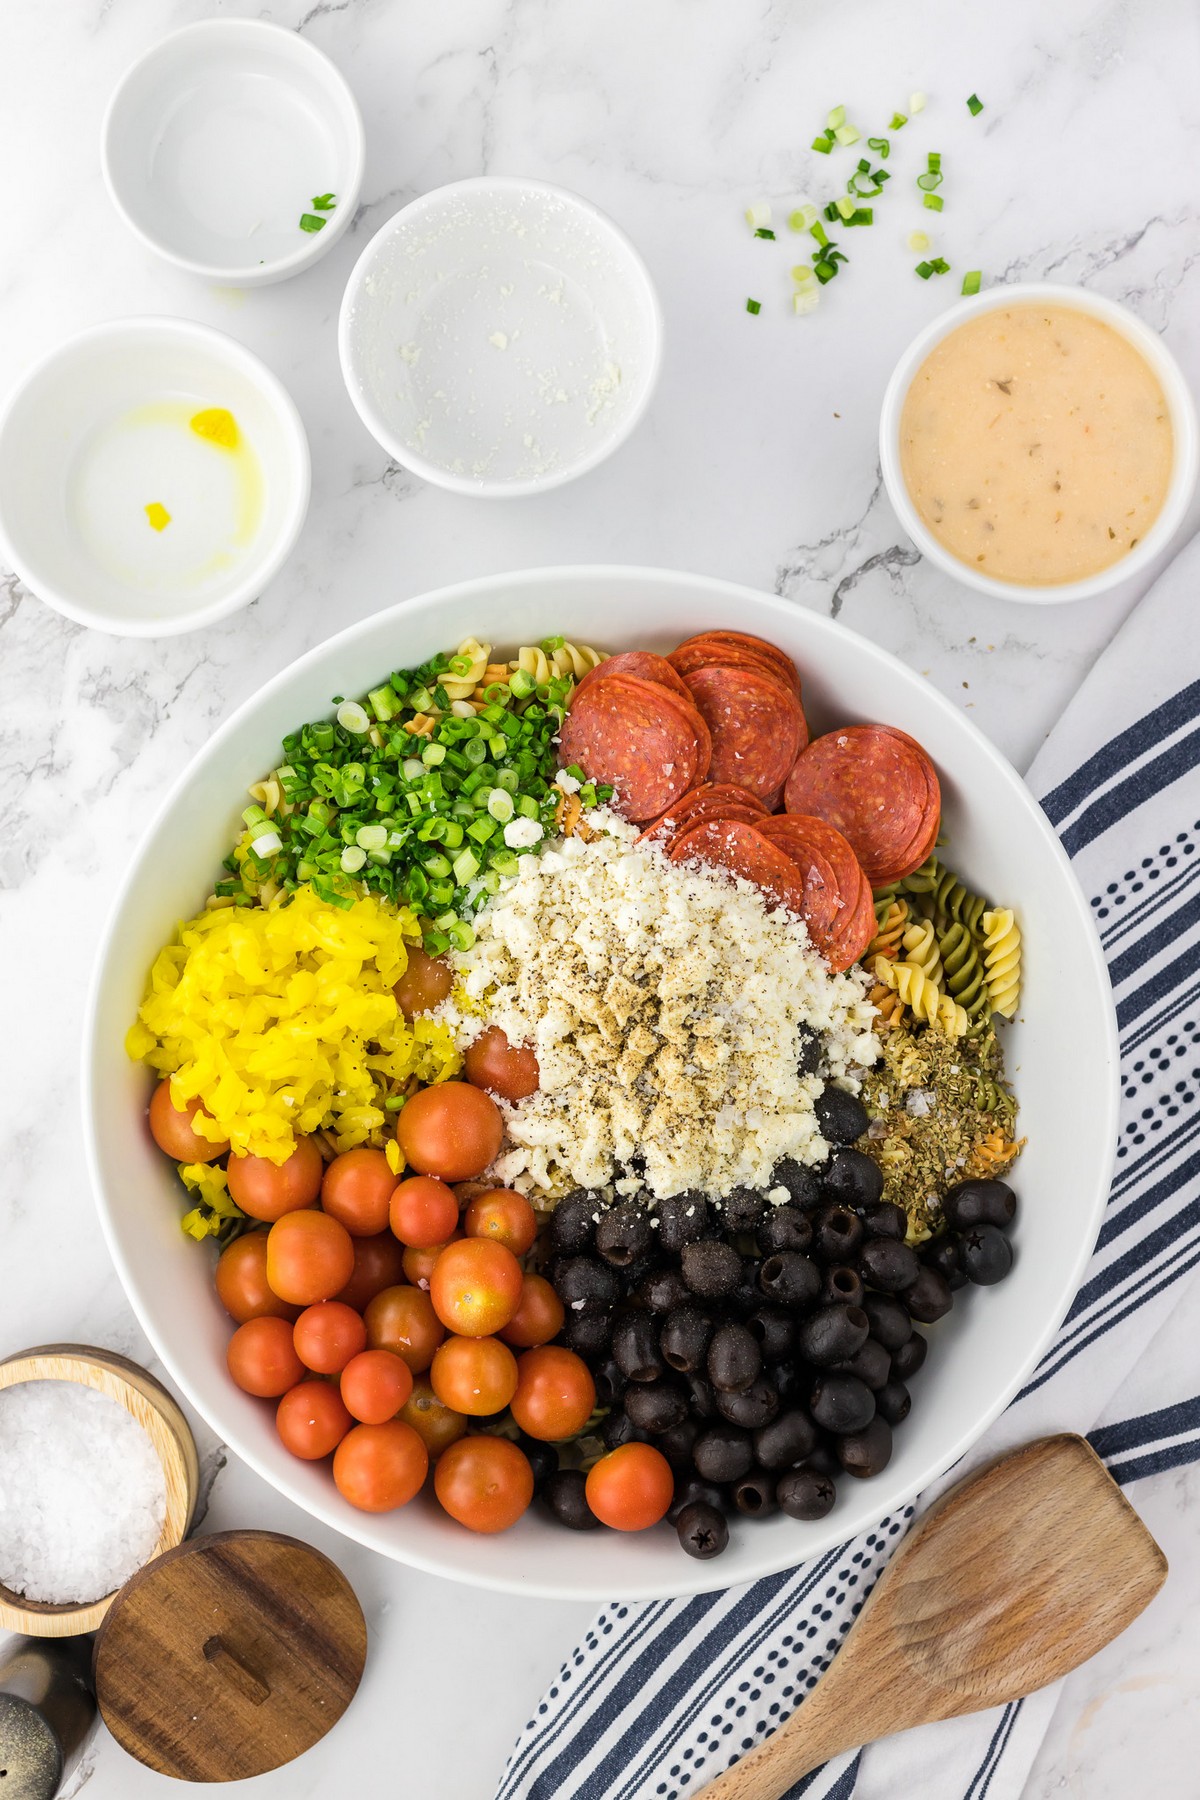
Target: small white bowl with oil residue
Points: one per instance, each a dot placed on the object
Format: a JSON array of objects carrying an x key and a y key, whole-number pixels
[
  {"x": 154, "y": 477},
  {"x": 499, "y": 337}
]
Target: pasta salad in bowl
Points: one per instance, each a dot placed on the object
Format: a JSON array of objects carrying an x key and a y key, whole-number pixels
[{"x": 593, "y": 1078}]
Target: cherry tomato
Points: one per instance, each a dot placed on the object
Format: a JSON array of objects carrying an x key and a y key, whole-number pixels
[
  {"x": 491, "y": 1062},
  {"x": 327, "y": 1335},
  {"x": 452, "y": 1130},
  {"x": 402, "y": 1319},
  {"x": 475, "y": 1287},
  {"x": 484, "y": 1482},
  {"x": 418, "y": 1264},
  {"x": 355, "y": 1190},
  {"x": 436, "y": 1424},
  {"x": 378, "y": 1263},
  {"x": 504, "y": 1217},
  {"x": 539, "y": 1315},
  {"x": 171, "y": 1128},
  {"x": 424, "y": 984},
  {"x": 477, "y": 1376},
  {"x": 631, "y": 1487},
  {"x": 555, "y": 1394},
  {"x": 311, "y": 1420},
  {"x": 242, "y": 1285},
  {"x": 309, "y": 1257},
  {"x": 375, "y": 1385},
  {"x": 423, "y": 1212},
  {"x": 267, "y": 1190},
  {"x": 380, "y": 1467},
  {"x": 262, "y": 1358}
]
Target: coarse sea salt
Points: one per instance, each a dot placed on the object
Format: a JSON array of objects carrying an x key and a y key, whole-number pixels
[{"x": 82, "y": 1493}]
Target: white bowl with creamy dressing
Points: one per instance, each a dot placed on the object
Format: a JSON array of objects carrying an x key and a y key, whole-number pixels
[
  {"x": 1039, "y": 443},
  {"x": 154, "y": 477},
  {"x": 1061, "y": 1052}
]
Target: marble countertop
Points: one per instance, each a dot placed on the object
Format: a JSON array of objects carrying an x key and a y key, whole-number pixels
[{"x": 757, "y": 462}]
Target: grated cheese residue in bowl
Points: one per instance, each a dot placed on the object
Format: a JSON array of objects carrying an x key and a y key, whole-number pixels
[{"x": 663, "y": 1004}]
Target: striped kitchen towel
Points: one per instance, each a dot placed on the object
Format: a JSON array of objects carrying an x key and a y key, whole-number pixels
[{"x": 662, "y": 1695}]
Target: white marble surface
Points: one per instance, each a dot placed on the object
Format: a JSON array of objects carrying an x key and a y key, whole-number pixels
[{"x": 757, "y": 462}]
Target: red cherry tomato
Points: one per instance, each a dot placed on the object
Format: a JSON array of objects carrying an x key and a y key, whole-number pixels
[
  {"x": 475, "y": 1287},
  {"x": 423, "y": 1212},
  {"x": 355, "y": 1190},
  {"x": 402, "y": 1319},
  {"x": 436, "y": 1424},
  {"x": 378, "y": 1264},
  {"x": 380, "y": 1467},
  {"x": 171, "y": 1128},
  {"x": 555, "y": 1394},
  {"x": 539, "y": 1315},
  {"x": 485, "y": 1483},
  {"x": 327, "y": 1335},
  {"x": 268, "y": 1190},
  {"x": 477, "y": 1376},
  {"x": 424, "y": 984},
  {"x": 452, "y": 1130},
  {"x": 418, "y": 1264},
  {"x": 375, "y": 1384},
  {"x": 262, "y": 1358},
  {"x": 493, "y": 1063},
  {"x": 504, "y": 1217},
  {"x": 311, "y": 1420},
  {"x": 242, "y": 1285},
  {"x": 631, "y": 1487},
  {"x": 309, "y": 1257}
]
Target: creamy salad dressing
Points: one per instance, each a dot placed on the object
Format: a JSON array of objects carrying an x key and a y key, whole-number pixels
[{"x": 1036, "y": 444}]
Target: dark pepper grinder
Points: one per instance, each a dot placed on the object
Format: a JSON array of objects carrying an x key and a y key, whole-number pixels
[{"x": 47, "y": 1711}]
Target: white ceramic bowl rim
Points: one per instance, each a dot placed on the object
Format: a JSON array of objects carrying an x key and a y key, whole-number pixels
[
  {"x": 313, "y": 246},
  {"x": 378, "y": 426},
  {"x": 1183, "y": 420},
  {"x": 868, "y": 1503},
  {"x": 255, "y": 581}
]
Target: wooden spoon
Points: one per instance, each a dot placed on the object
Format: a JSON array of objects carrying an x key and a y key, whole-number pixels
[{"x": 1011, "y": 1579}]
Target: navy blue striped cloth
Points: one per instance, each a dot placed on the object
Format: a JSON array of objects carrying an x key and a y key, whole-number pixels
[{"x": 661, "y": 1696}]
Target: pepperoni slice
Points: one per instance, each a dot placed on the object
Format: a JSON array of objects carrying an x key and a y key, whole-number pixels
[
  {"x": 880, "y": 790},
  {"x": 706, "y": 802},
  {"x": 736, "y": 649},
  {"x": 731, "y": 844},
  {"x": 649, "y": 744},
  {"x": 758, "y": 727},
  {"x": 855, "y": 924},
  {"x": 642, "y": 663}
]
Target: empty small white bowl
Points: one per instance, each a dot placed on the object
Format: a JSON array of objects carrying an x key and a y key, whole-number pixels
[
  {"x": 154, "y": 476},
  {"x": 1183, "y": 422},
  {"x": 222, "y": 138},
  {"x": 500, "y": 337}
]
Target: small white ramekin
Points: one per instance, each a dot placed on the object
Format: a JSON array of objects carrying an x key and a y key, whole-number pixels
[
  {"x": 217, "y": 141},
  {"x": 500, "y": 336},
  {"x": 1183, "y": 424}
]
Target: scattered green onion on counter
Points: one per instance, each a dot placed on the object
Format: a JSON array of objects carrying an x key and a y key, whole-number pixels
[
  {"x": 754, "y": 306},
  {"x": 934, "y": 202},
  {"x": 974, "y": 105},
  {"x": 764, "y": 231},
  {"x": 971, "y": 281}
]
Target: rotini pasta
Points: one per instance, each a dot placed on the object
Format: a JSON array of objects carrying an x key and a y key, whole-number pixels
[
  {"x": 945, "y": 896},
  {"x": 992, "y": 1155},
  {"x": 963, "y": 970},
  {"x": 920, "y": 945},
  {"x": 466, "y": 671},
  {"x": 922, "y": 998},
  {"x": 889, "y": 930},
  {"x": 888, "y": 1005},
  {"x": 1002, "y": 947},
  {"x": 567, "y": 662}
]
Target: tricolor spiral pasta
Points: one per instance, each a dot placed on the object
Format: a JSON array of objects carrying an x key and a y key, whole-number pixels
[
  {"x": 1002, "y": 959},
  {"x": 922, "y": 998},
  {"x": 567, "y": 662},
  {"x": 920, "y": 947},
  {"x": 466, "y": 671},
  {"x": 963, "y": 970},
  {"x": 945, "y": 896},
  {"x": 889, "y": 929}
]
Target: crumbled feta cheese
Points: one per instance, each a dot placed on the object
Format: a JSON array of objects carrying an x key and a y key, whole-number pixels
[
  {"x": 566, "y": 783},
  {"x": 778, "y": 1196},
  {"x": 663, "y": 1004},
  {"x": 522, "y": 834}
]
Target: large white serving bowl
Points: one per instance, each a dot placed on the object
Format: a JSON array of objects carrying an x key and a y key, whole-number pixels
[{"x": 1062, "y": 1054}]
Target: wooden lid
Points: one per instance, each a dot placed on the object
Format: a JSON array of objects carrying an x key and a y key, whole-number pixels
[{"x": 229, "y": 1656}]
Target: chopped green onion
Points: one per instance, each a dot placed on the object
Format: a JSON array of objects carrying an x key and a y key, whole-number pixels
[
  {"x": 433, "y": 754},
  {"x": 898, "y": 122},
  {"x": 880, "y": 146},
  {"x": 465, "y": 865},
  {"x": 940, "y": 266},
  {"x": 817, "y": 231},
  {"x": 353, "y": 717},
  {"x": 764, "y": 231},
  {"x": 974, "y": 105},
  {"x": 500, "y": 805},
  {"x": 384, "y": 704},
  {"x": 844, "y": 205},
  {"x": 916, "y": 103},
  {"x": 924, "y": 270},
  {"x": 758, "y": 214},
  {"x": 461, "y": 935},
  {"x": 836, "y": 118},
  {"x": 918, "y": 241},
  {"x": 802, "y": 218},
  {"x": 847, "y": 135},
  {"x": 353, "y": 859},
  {"x": 971, "y": 281},
  {"x": 824, "y": 271},
  {"x": 754, "y": 306},
  {"x": 371, "y": 837},
  {"x": 822, "y": 144},
  {"x": 831, "y": 212},
  {"x": 521, "y": 683},
  {"x": 931, "y": 179},
  {"x": 267, "y": 845},
  {"x": 934, "y": 202}
]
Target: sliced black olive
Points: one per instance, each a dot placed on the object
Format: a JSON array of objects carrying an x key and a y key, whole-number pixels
[
  {"x": 841, "y": 1116},
  {"x": 565, "y": 1495},
  {"x": 799, "y": 1180},
  {"x": 929, "y": 1298},
  {"x": 805, "y": 1493},
  {"x": 842, "y": 1286},
  {"x": 853, "y": 1178},
  {"x": 655, "y": 1406},
  {"x": 775, "y": 1331},
  {"x": 865, "y": 1452},
  {"x": 753, "y": 1406},
  {"x": 734, "y": 1358},
  {"x": 711, "y": 1268},
  {"x": 883, "y": 1263},
  {"x": 754, "y": 1494},
  {"x": 572, "y": 1223},
  {"x": 722, "y": 1453},
  {"x": 683, "y": 1339},
  {"x": 635, "y": 1347},
  {"x": 789, "y": 1278},
  {"x": 586, "y": 1284},
  {"x": 841, "y": 1402},
  {"x": 886, "y": 1220},
  {"x": 986, "y": 1254},
  {"x": 888, "y": 1319},
  {"x": 907, "y": 1359},
  {"x": 682, "y": 1219},
  {"x": 787, "y": 1440},
  {"x": 831, "y": 1334},
  {"x": 784, "y": 1228},
  {"x": 979, "y": 1203},
  {"x": 837, "y": 1233},
  {"x": 893, "y": 1402},
  {"x": 702, "y": 1530},
  {"x": 742, "y": 1208},
  {"x": 624, "y": 1234}
]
